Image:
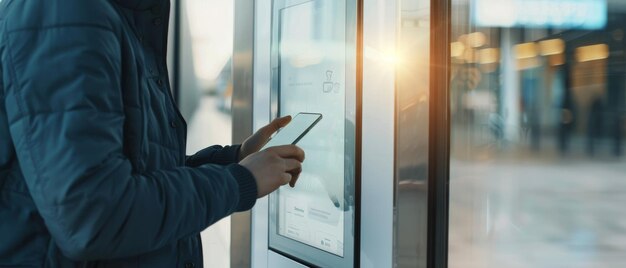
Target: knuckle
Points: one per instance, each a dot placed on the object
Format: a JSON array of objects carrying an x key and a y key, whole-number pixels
[
  {"x": 269, "y": 152},
  {"x": 263, "y": 129},
  {"x": 274, "y": 125},
  {"x": 293, "y": 149},
  {"x": 282, "y": 164},
  {"x": 298, "y": 150},
  {"x": 279, "y": 167}
]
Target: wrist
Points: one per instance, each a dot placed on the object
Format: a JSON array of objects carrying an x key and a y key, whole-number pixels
[
  {"x": 240, "y": 154},
  {"x": 248, "y": 190}
]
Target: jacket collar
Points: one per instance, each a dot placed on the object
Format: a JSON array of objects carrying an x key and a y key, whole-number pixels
[{"x": 140, "y": 4}]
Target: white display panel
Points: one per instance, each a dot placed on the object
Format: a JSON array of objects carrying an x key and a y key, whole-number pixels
[
  {"x": 312, "y": 82},
  {"x": 314, "y": 221}
]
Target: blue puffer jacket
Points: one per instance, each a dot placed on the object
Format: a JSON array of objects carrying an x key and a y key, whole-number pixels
[{"x": 93, "y": 171}]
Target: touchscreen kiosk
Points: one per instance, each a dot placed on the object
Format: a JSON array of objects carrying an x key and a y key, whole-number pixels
[{"x": 313, "y": 63}]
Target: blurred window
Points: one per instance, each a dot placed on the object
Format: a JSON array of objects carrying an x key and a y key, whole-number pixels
[
  {"x": 206, "y": 46},
  {"x": 537, "y": 172}
]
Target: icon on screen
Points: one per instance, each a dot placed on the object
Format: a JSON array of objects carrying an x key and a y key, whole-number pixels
[{"x": 328, "y": 85}]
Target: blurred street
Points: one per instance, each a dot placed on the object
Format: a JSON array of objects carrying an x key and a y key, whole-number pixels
[{"x": 537, "y": 212}]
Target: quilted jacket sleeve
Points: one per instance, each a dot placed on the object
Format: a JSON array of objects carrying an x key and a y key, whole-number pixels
[
  {"x": 64, "y": 106},
  {"x": 215, "y": 155}
]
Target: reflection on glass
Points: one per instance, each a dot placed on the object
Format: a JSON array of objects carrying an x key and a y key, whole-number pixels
[
  {"x": 537, "y": 173},
  {"x": 411, "y": 165}
]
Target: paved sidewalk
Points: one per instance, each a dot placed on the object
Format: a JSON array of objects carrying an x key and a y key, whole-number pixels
[{"x": 537, "y": 212}]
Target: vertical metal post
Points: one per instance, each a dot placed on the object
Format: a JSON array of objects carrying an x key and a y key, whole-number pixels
[
  {"x": 358, "y": 154},
  {"x": 377, "y": 135},
  {"x": 242, "y": 107},
  {"x": 439, "y": 136},
  {"x": 262, "y": 115}
]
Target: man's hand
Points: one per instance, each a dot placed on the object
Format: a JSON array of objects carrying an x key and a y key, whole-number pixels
[
  {"x": 255, "y": 142},
  {"x": 274, "y": 167}
]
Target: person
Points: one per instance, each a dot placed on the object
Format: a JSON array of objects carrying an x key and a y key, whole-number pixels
[{"x": 93, "y": 171}]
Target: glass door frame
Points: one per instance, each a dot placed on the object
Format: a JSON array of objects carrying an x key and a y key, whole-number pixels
[{"x": 439, "y": 134}]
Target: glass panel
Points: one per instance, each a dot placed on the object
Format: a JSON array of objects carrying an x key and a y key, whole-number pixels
[
  {"x": 412, "y": 61},
  {"x": 206, "y": 34},
  {"x": 314, "y": 73},
  {"x": 537, "y": 173}
]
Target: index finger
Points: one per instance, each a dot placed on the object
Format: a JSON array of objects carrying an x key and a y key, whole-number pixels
[
  {"x": 289, "y": 151},
  {"x": 276, "y": 124}
]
